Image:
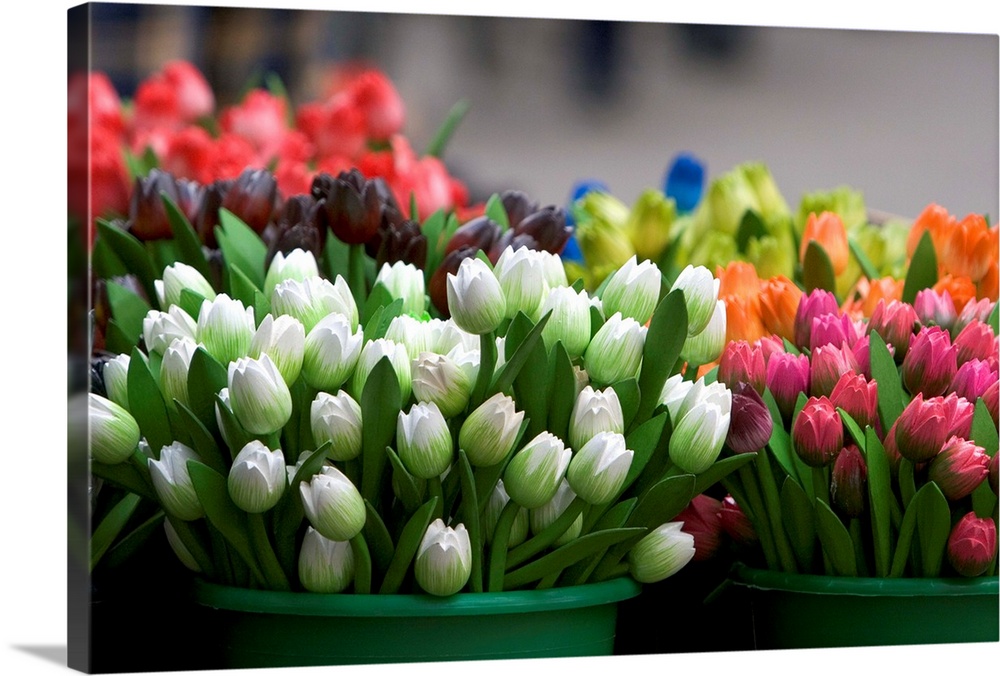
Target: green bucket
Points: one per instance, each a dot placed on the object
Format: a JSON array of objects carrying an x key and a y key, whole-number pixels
[
  {"x": 285, "y": 629},
  {"x": 819, "y": 611}
]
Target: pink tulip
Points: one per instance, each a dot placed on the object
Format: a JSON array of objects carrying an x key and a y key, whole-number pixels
[
  {"x": 848, "y": 483},
  {"x": 975, "y": 341},
  {"x": 959, "y": 412},
  {"x": 702, "y": 521},
  {"x": 972, "y": 545},
  {"x": 922, "y": 428},
  {"x": 812, "y": 305},
  {"x": 973, "y": 311},
  {"x": 859, "y": 397},
  {"x": 930, "y": 364},
  {"x": 894, "y": 322},
  {"x": 832, "y": 329},
  {"x": 787, "y": 377},
  {"x": 827, "y": 365},
  {"x": 935, "y": 308},
  {"x": 959, "y": 468},
  {"x": 818, "y": 432},
  {"x": 973, "y": 379},
  {"x": 991, "y": 397},
  {"x": 742, "y": 362},
  {"x": 736, "y": 524}
]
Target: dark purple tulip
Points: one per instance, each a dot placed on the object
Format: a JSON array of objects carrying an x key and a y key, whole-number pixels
[
  {"x": 355, "y": 207},
  {"x": 252, "y": 198},
  {"x": 750, "y": 423},
  {"x": 478, "y": 233},
  {"x": 548, "y": 227},
  {"x": 517, "y": 205},
  {"x": 403, "y": 242},
  {"x": 208, "y": 211},
  {"x": 509, "y": 239},
  {"x": 437, "y": 288},
  {"x": 147, "y": 217}
]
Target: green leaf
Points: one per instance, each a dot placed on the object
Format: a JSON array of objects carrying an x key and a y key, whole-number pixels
[
  {"x": 232, "y": 431},
  {"x": 891, "y": 398},
  {"x": 243, "y": 289},
  {"x": 906, "y": 532},
  {"x": 201, "y": 439},
  {"x": 221, "y": 512},
  {"x": 206, "y": 378},
  {"x": 126, "y": 475},
  {"x": 817, "y": 270},
  {"x": 116, "y": 340},
  {"x": 381, "y": 400},
  {"x": 362, "y": 565},
  {"x": 751, "y": 227},
  {"x": 933, "y": 528},
  {"x": 186, "y": 239},
  {"x": 406, "y": 548},
  {"x": 780, "y": 442},
  {"x": 241, "y": 247},
  {"x": 131, "y": 252},
  {"x": 191, "y": 303},
  {"x": 405, "y": 485},
  {"x": 124, "y": 550},
  {"x": 665, "y": 500},
  {"x": 336, "y": 256},
  {"x": 984, "y": 432},
  {"x": 994, "y": 319},
  {"x": 629, "y": 397},
  {"x": 128, "y": 310},
  {"x": 105, "y": 262},
  {"x": 541, "y": 541},
  {"x": 852, "y": 428},
  {"x": 111, "y": 527},
  {"x": 447, "y": 129},
  {"x": 378, "y": 298},
  {"x": 470, "y": 517},
  {"x": 562, "y": 397},
  {"x": 879, "y": 497},
  {"x": 643, "y": 441},
  {"x": 496, "y": 212},
  {"x": 923, "y": 269},
  {"x": 797, "y": 519},
  {"x": 569, "y": 554},
  {"x": 146, "y": 404},
  {"x": 377, "y": 534},
  {"x": 836, "y": 541},
  {"x": 289, "y": 512},
  {"x": 433, "y": 229},
  {"x": 661, "y": 351},
  {"x": 867, "y": 268},
  {"x": 719, "y": 470}
]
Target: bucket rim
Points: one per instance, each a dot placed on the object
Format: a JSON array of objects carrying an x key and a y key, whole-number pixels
[{"x": 771, "y": 580}]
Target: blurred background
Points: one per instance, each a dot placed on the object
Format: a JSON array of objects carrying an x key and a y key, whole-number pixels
[{"x": 908, "y": 118}]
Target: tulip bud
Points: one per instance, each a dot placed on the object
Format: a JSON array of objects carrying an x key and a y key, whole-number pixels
[
  {"x": 975, "y": 341},
  {"x": 705, "y": 347},
  {"x": 444, "y": 559},
  {"x": 160, "y": 329},
  {"x": 489, "y": 432},
  {"x": 972, "y": 545},
  {"x": 633, "y": 291},
  {"x": 283, "y": 340},
  {"x": 299, "y": 265},
  {"x": 259, "y": 396},
  {"x": 333, "y": 505},
  {"x": 543, "y": 517},
  {"x": 742, "y": 362},
  {"x": 547, "y": 226},
  {"x": 701, "y": 427},
  {"x": 595, "y": 412},
  {"x": 174, "y": 369},
  {"x": 661, "y": 553},
  {"x": 312, "y": 300},
  {"x": 371, "y": 353},
  {"x": 827, "y": 230},
  {"x": 649, "y": 223},
  {"x": 922, "y": 428},
  {"x": 440, "y": 380},
  {"x": 114, "y": 433},
  {"x": 615, "y": 351},
  {"x": 147, "y": 215},
  {"x": 817, "y": 303},
  {"x": 701, "y": 293},
  {"x": 415, "y": 335},
  {"x": 848, "y": 482},
  {"x": 973, "y": 379},
  {"x": 491, "y": 516},
  {"x": 675, "y": 389},
  {"x": 787, "y": 377},
  {"x": 172, "y": 482},
  {"x": 779, "y": 303},
  {"x": 828, "y": 364},
  {"x": 597, "y": 470},
  {"x": 858, "y": 397},
  {"x": 180, "y": 550},
  {"x": 521, "y": 274},
  {"x": 701, "y": 519},
  {"x": 402, "y": 243},
  {"x": 336, "y": 418},
  {"x": 257, "y": 478},
  {"x": 331, "y": 353},
  {"x": 894, "y": 322},
  {"x": 959, "y": 468},
  {"x": 736, "y": 524},
  {"x": 832, "y": 329},
  {"x": 226, "y": 328},
  {"x": 930, "y": 363},
  {"x": 750, "y": 423},
  {"x": 251, "y": 197},
  {"x": 115, "y": 376},
  {"x": 475, "y": 299},
  {"x": 934, "y": 308},
  {"x": 534, "y": 473},
  {"x": 178, "y": 277},
  {"x": 569, "y": 321},
  {"x": 972, "y": 311},
  {"x": 478, "y": 233},
  {"x": 405, "y": 281},
  {"x": 424, "y": 441},
  {"x": 325, "y": 566},
  {"x": 958, "y": 414},
  {"x": 818, "y": 432},
  {"x": 355, "y": 206}
]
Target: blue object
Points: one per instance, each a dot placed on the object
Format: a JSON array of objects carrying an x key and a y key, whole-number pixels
[
  {"x": 571, "y": 252},
  {"x": 685, "y": 181}
]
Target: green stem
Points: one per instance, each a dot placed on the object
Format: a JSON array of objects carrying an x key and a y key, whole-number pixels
[
  {"x": 821, "y": 484},
  {"x": 691, "y": 372},
  {"x": 907, "y": 482},
  {"x": 356, "y": 275},
  {"x": 550, "y": 534},
  {"x": 436, "y": 490},
  {"x": 758, "y": 514},
  {"x": 362, "y": 565},
  {"x": 261, "y": 543},
  {"x": 498, "y": 550},
  {"x": 620, "y": 569},
  {"x": 487, "y": 363},
  {"x": 772, "y": 503},
  {"x": 859, "y": 548}
]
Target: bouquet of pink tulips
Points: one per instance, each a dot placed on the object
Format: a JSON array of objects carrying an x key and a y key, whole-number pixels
[{"x": 876, "y": 440}]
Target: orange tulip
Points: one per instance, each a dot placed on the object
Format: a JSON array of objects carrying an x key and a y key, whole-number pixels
[
  {"x": 961, "y": 289},
  {"x": 779, "y": 301},
  {"x": 828, "y": 231},
  {"x": 968, "y": 248},
  {"x": 868, "y": 293},
  {"x": 988, "y": 285},
  {"x": 739, "y": 278},
  {"x": 935, "y": 219},
  {"x": 743, "y": 321}
]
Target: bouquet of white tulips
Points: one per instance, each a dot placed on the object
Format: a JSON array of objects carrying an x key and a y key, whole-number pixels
[{"x": 299, "y": 434}]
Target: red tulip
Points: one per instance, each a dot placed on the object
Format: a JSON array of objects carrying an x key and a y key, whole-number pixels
[
  {"x": 750, "y": 423},
  {"x": 736, "y": 524},
  {"x": 858, "y": 397},
  {"x": 972, "y": 545},
  {"x": 818, "y": 432},
  {"x": 848, "y": 482},
  {"x": 742, "y": 362},
  {"x": 975, "y": 341},
  {"x": 701, "y": 520},
  {"x": 959, "y": 468}
]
